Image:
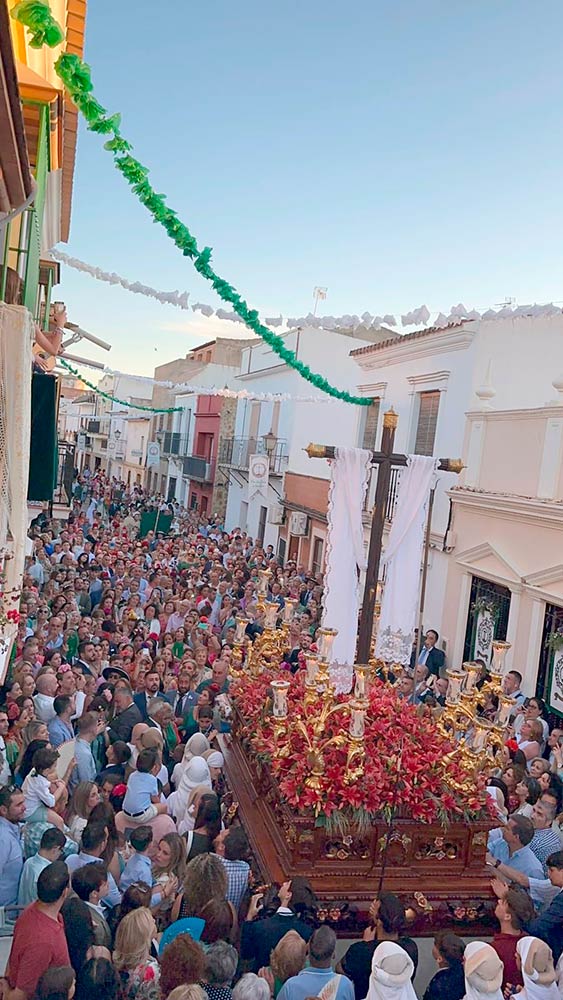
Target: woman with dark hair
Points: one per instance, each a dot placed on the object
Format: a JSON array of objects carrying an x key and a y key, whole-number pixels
[
  {"x": 387, "y": 917},
  {"x": 221, "y": 922},
  {"x": 449, "y": 982},
  {"x": 528, "y": 791},
  {"x": 103, "y": 813},
  {"x": 26, "y": 763},
  {"x": 207, "y": 826},
  {"x": 56, "y": 983},
  {"x": 136, "y": 895},
  {"x": 97, "y": 980}
]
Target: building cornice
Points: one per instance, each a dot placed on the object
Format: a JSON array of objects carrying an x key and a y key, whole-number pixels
[
  {"x": 439, "y": 342},
  {"x": 539, "y": 413},
  {"x": 547, "y": 513}
]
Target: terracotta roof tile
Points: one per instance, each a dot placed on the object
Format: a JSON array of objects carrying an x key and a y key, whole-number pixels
[{"x": 407, "y": 337}]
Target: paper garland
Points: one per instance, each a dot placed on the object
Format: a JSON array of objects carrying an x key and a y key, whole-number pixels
[
  {"x": 417, "y": 317},
  {"x": 167, "y": 298},
  {"x": 202, "y": 390},
  {"x": 115, "y": 399},
  {"x": 76, "y": 76}
]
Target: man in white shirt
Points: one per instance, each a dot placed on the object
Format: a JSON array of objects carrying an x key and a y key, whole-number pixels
[
  {"x": 46, "y": 686},
  {"x": 5, "y": 772}
]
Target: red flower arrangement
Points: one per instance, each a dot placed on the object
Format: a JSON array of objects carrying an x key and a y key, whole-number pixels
[{"x": 408, "y": 762}]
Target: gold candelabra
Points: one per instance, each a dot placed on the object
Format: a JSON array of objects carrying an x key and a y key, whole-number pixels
[{"x": 480, "y": 737}]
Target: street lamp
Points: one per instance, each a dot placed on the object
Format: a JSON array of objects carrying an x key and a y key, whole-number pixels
[{"x": 270, "y": 441}]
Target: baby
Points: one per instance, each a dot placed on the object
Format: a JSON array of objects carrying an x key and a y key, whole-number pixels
[
  {"x": 43, "y": 790},
  {"x": 142, "y": 798}
]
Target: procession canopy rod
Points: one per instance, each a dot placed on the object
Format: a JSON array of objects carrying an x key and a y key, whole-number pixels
[{"x": 329, "y": 451}]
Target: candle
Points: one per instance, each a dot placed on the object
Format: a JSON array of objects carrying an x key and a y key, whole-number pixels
[
  {"x": 311, "y": 668},
  {"x": 472, "y": 671},
  {"x": 500, "y": 649},
  {"x": 456, "y": 679},
  {"x": 357, "y": 719},
  {"x": 280, "y": 690},
  {"x": 361, "y": 675},
  {"x": 263, "y": 580},
  {"x": 289, "y": 610},
  {"x": 240, "y": 630},
  {"x": 272, "y": 612},
  {"x": 325, "y": 641}
]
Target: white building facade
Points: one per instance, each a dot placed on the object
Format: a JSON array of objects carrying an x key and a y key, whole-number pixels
[{"x": 433, "y": 379}]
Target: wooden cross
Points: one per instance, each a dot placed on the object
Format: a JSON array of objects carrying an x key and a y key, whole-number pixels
[{"x": 385, "y": 460}]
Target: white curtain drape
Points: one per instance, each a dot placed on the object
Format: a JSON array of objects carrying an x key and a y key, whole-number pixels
[
  {"x": 345, "y": 556},
  {"x": 16, "y": 341},
  {"x": 402, "y": 557}
]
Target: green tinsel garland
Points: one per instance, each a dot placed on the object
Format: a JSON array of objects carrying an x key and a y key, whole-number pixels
[
  {"x": 114, "y": 399},
  {"x": 76, "y": 76}
]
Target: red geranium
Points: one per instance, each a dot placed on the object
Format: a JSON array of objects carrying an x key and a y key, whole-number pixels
[{"x": 408, "y": 762}]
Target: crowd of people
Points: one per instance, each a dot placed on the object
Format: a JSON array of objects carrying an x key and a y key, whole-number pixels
[{"x": 124, "y": 869}]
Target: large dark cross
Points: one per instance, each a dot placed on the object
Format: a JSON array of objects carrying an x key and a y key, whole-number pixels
[{"x": 385, "y": 460}]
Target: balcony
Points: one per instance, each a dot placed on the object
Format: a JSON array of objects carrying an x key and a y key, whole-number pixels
[
  {"x": 236, "y": 452},
  {"x": 198, "y": 468},
  {"x": 173, "y": 444}
]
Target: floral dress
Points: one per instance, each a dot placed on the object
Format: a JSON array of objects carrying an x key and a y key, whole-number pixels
[{"x": 142, "y": 982}]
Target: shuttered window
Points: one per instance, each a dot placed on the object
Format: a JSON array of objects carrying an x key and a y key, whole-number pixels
[
  {"x": 370, "y": 426},
  {"x": 429, "y": 404}
]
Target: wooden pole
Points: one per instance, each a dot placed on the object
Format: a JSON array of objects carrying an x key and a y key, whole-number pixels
[
  {"x": 376, "y": 536},
  {"x": 424, "y": 573}
]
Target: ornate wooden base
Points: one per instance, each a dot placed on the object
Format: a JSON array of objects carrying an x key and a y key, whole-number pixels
[{"x": 439, "y": 874}]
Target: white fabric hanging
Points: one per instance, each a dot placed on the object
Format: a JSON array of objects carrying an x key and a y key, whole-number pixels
[
  {"x": 345, "y": 555},
  {"x": 402, "y": 557}
]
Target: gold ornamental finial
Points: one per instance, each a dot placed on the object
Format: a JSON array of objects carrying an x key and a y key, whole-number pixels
[
  {"x": 455, "y": 465},
  {"x": 315, "y": 450},
  {"x": 390, "y": 418}
]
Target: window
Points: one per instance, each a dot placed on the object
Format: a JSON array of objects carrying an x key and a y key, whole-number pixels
[
  {"x": 262, "y": 524},
  {"x": 429, "y": 404},
  {"x": 281, "y": 550},
  {"x": 317, "y": 560},
  {"x": 371, "y": 419}
]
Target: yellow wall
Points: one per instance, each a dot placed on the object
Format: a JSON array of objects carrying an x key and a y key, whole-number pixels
[{"x": 41, "y": 60}]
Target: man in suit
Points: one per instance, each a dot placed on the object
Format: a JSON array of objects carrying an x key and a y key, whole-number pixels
[
  {"x": 183, "y": 699},
  {"x": 259, "y": 937},
  {"x": 127, "y": 714},
  {"x": 152, "y": 690},
  {"x": 86, "y": 659},
  {"x": 429, "y": 656}
]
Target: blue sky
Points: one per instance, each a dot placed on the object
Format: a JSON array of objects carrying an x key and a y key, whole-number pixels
[{"x": 399, "y": 152}]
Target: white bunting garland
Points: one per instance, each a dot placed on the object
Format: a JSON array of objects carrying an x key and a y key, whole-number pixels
[{"x": 416, "y": 317}]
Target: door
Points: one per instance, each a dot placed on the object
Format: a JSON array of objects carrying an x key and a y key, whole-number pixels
[
  {"x": 262, "y": 524},
  {"x": 490, "y": 599}
]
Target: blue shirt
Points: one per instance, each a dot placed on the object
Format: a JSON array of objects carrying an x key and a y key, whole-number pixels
[
  {"x": 310, "y": 982},
  {"x": 544, "y": 843},
  {"x": 140, "y": 787},
  {"x": 138, "y": 869},
  {"x": 85, "y": 764},
  {"x": 59, "y": 732},
  {"x": 76, "y": 861},
  {"x": 28, "y": 883},
  {"x": 11, "y": 861},
  {"x": 523, "y": 860}
]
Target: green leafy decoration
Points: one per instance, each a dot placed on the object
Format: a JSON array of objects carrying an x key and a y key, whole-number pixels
[
  {"x": 77, "y": 78},
  {"x": 43, "y": 28}
]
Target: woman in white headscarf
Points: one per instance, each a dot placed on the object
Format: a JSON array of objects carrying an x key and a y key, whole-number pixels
[
  {"x": 391, "y": 971},
  {"x": 538, "y": 973},
  {"x": 483, "y": 971},
  {"x": 195, "y": 773},
  {"x": 197, "y": 746}
]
